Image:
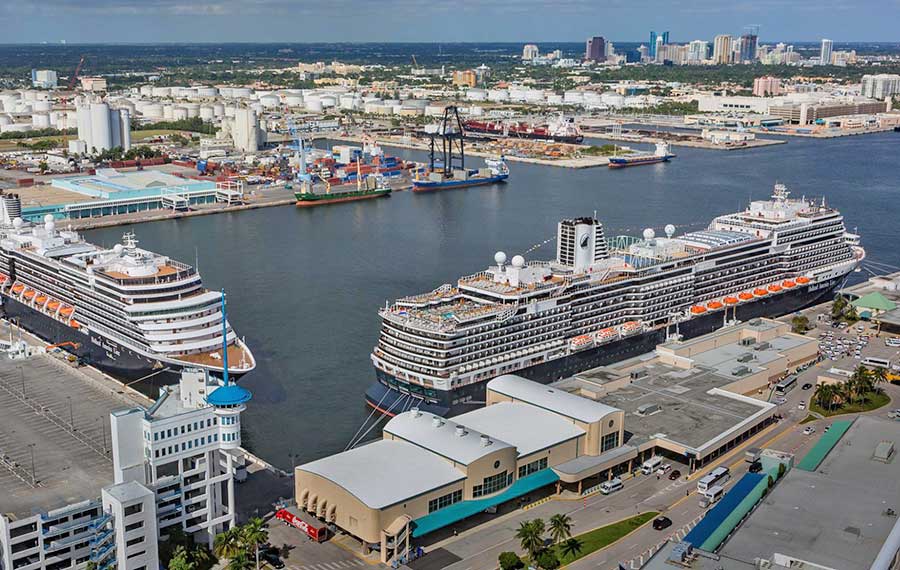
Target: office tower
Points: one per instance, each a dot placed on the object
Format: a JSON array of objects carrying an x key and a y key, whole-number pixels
[
  {"x": 652, "y": 53},
  {"x": 825, "y": 52},
  {"x": 698, "y": 50},
  {"x": 529, "y": 52},
  {"x": 748, "y": 47},
  {"x": 595, "y": 49}
]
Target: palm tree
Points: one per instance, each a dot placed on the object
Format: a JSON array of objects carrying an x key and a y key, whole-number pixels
[
  {"x": 180, "y": 560},
  {"x": 228, "y": 544},
  {"x": 560, "y": 527},
  {"x": 824, "y": 395},
  {"x": 877, "y": 376},
  {"x": 571, "y": 547},
  {"x": 201, "y": 555},
  {"x": 531, "y": 536},
  {"x": 253, "y": 534},
  {"x": 240, "y": 561}
]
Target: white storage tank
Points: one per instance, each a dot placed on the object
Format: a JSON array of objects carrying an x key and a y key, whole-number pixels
[
  {"x": 168, "y": 112},
  {"x": 206, "y": 92},
  {"x": 498, "y": 95},
  {"x": 476, "y": 95},
  {"x": 16, "y": 128},
  {"x": 153, "y": 111},
  {"x": 40, "y": 106},
  {"x": 41, "y": 120},
  {"x": 207, "y": 113},
  {"x": 146, "y": 90},
  {"x": 349, "y": 101},
  {"x": 555, "y": 99},
  {"x": 270, "y": 101},
  {"x": 179, "y": 113},
  {"x": 293, "y": 100},
  {"x": 193, "y": 109},
  {"x": 230, "y": 111},
  {"x": 5, "y": 120},
  {"x": 218, "y": 109},
  {"x": 161, "y": 91},
  {"x": 329, "y": 101},
  {"x": 313, "y": 103},
  {"x": 241, "y": 92}
]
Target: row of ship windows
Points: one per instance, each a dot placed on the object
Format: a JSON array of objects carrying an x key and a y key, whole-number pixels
[
  {"x": 181, "y": 430},
  {"x": 187, "y": 445},
  {"x": 509, "y": 334}
]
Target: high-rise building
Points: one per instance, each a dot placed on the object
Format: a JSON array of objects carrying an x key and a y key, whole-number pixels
[
  {"x": 660, "y": 42},
  {"x": 43, "y": 78},
  {"x": 465, "y": 78},
  {"x": 595, "y": 49},
  {"x": 698, "y": 51},
  {"x": 529, "y": 52},
  {"x": 763, "y": 86},
  {"x": 748, "y": 45},
  {"x": 644, "y": 52},
  {"x": 652, "y": 53},
  {"x": 722, "y": 49},
  {"x": 610, "y": 50},
  {"x": 102, "y": 128},
  {"x": 665, "y": 38},
  {"x": 880, "y": 86},
  {"x": 825, "y": 52}
]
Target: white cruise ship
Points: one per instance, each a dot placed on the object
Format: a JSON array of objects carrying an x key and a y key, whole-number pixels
[
  {"x": 605, "y": 299},
  {"x": 128, "y": 311}
]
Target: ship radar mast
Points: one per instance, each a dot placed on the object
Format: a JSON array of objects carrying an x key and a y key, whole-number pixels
[
  {"x": 781, "y": 193},
  {"x": 130, "y": 241}
]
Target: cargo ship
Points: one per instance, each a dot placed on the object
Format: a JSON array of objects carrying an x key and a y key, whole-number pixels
[
  {"x": 661, "y": 154},
  {"x": 494, "y": 172},
  {"x": 605, "y": 299},
  {"x": 365, "y": 189},
  {"x": 132, "y": 313},
  {"x": 563, "y": 130}
]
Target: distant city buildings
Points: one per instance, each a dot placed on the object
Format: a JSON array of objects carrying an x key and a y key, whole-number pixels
[
  {"x": 825, "y": 52},
  {"x": 93, "y": 84},
  {"x": 464, "y": 78},
  {"x": 764, "y": 86},
  {"x": 722, "y": 49},
  {"x": 698, "y": 51},
  {"x": 43, "y": 78},
  {"x": 747, "y": 48},
  {"x": 880, "y": 86},
  {"x": 529, "y": 52},
  {"x": 595, "y": 49}
]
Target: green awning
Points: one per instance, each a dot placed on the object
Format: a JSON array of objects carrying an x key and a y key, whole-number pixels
[
  {"x": 826, "y": 443},
  {"x": 875, "y": 301},
  {"x": 465, "y": 509}
]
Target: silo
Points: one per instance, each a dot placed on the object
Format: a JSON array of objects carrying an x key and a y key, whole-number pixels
[
  {"x": 100, "y": 128},
  {"x": 125, "y": 126},
  {"x": 218, "y": 109},
  {"x": 83, "y": 111}
]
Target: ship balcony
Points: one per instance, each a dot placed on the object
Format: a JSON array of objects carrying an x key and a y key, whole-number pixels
[
  {"x": 210, "y": 331},
  {"x": 160, "y": 325}
]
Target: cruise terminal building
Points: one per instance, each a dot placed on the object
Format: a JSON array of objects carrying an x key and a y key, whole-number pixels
[{"x": 690, "y": 401}]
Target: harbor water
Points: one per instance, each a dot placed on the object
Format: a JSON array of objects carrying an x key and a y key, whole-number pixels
[{"x": 304, "y": 285}]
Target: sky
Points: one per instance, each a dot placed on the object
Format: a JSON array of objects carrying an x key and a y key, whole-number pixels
[{"x": 151, "y": 21}]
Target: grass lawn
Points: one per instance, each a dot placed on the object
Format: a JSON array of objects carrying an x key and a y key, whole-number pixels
[
  {"x": 874, "y": 402},
  {"x": 602, "y": 537},
  {"x": 808, "y": 418},
  {"x": 141, "y": 135}
]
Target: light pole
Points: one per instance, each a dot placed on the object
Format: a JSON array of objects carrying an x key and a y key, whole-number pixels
[
  {"x": 33, "y": 478},
  {"x": 22, "y": 375},
  {"x": 103, "y": 429},
  {"x": 71, "y": 414}
]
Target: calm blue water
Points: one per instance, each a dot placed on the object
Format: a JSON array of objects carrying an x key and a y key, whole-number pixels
[{"x": 304, "y": 285}]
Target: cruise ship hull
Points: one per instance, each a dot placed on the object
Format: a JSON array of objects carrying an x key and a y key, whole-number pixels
[
  {"x": 94, "y": 350},
  {"x": 387, "y": 398}
]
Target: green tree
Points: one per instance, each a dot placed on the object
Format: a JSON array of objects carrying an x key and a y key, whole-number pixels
[
  {"x": 531, "y": 536},
  {"x": 253, "y": 534},
  {"x": 800, "y": 324},
  {"x": 560, "y": 527},
  {"x": 227, "y": 544},
  {"x": 838, "y": 306},
  {"x": 510, "y": 561},
  {"x": 240, "y": 561},
  {"x": 547, "y": 560},
  {"x": 571, "y": 547},
  {"x": 42, "y": 166},
  {"x": 181, "y": 560},
  {"x": 825, "y": 395}
]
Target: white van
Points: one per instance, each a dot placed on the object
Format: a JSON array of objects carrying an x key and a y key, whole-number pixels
[
  {"x": 651, "y": 465},
  {"x": 611, "y": 486},
  {"x": 711, "y": 496}
]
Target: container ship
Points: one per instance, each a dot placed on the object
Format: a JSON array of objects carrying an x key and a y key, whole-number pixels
[
  {"x": 364, "y": 189},
  {"x": 132, "y": 313},
  {"x": 348, "y": 163},
  {"x": 562, "y": 130},
  {"x": 603, "y": 299},
  {"x": 494, "y": 172},
  {"x": 661, "y": 154}
]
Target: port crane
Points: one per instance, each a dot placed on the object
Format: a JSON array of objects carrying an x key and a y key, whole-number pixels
[{"x": 451, "y": 133}]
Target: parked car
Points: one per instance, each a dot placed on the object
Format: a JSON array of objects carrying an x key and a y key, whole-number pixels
[
  {"x": 273, "y": 559},
  {"x": 661, "y": 523},
  {"x": 806, "y": 386},
  {"x": 664, "y": 468},
  {"x": 809, "y": 430},
  {"x": 674, "y": 475},
  {"x": 780, "y": 400},
  {"x": 801, "y": 406}
]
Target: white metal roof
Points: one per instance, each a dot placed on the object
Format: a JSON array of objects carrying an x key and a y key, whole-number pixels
[
  {"x": 385, "y": 472},
  {"x": 551, "y": 399},
  {"x": 441, "y": 436},
  {"x": 529, "y": 428}
]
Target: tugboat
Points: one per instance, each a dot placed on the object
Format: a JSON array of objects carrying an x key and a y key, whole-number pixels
[
  {"x": 661, "y": 154},
  {"x": 451, "y": 171}
]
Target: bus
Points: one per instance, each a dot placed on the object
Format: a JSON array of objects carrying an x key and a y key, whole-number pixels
[
  {"x": 718, "y": 476},
  {"x": 877, "y": 362},
  {"x": 786, "y": 385}
]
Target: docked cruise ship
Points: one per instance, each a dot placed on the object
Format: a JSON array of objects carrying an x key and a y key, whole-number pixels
[
  {"x": 605, "y": 299},
  {"x": 130, "y": 312}
]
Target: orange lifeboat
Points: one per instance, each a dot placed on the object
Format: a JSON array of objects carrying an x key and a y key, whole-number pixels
[
  {"x": 759, "y": 292},
  {"x": 713, "y": 305},
  {"x": 731, "y": 300},
  {"x": 53, "y": 305},
  {"x": 41, "y": 299},
  {"x": 774, "y": 288},
  {"x": 803, "y": 280},
  {"x": 745, "y": 296},
  {"x": 66, "y": 311},
  {"x": 74, "y": 324},
  {"x": 788, "y": 284},
  {"x": 17, "y": 288},
  {"x": 698, "y": 309},
  {"x": 29, "y": 294}
]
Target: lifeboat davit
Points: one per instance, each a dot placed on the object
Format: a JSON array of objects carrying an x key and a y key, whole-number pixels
[
  {"x": 788, "y": 284},
  {"x": 730, "y": 300},
  {"x": 774, "y": 288},
  {"x": 745, "y": 296},
  {"x": 803, "y": 280},
  {"x": 759, "y": 292},
  {"x": 713, "y": 305},
  {"x": 698, "y": 309}
]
